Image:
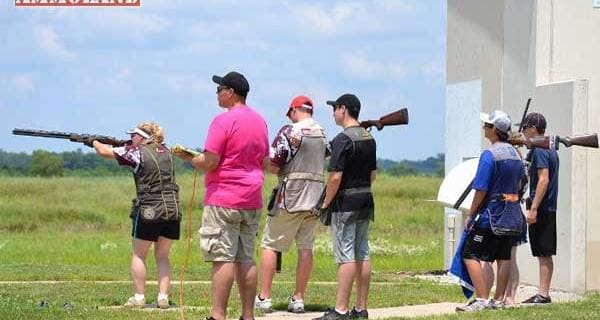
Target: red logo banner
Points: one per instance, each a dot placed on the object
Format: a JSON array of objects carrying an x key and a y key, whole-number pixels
[{"x": 78, "y": 3}]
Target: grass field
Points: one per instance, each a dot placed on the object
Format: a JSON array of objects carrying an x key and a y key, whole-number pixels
[{"x": 76, "y": 231}]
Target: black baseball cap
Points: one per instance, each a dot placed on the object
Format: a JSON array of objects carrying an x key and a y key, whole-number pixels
[
  {"x": 535, "y": 119},
  {"x": 235, "y": 81},
  {"x": 349, "y": 100}
]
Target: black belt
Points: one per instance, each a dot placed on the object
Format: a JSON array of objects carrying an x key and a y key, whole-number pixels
[{"x": 350, "y": 191}]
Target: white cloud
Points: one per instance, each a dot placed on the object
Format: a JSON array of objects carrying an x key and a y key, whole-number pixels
[
  {"x": 129, "y": 22},
  {"x": 23, "y": 82},
  {"x": 124, "y": 73},
  {"x": 434, "y": 71},
  {"x": 326, "y": 21},
  {"x": 49, "y": 41},
  {"x": 180, "y": 83},
  {"x": 398, "y": 6},
  {"x": 354, "y": 18},
  {"x": 357, "y": 64}
]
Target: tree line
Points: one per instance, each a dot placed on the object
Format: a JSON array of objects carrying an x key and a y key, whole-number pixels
[{"x": 44, "y": 163}]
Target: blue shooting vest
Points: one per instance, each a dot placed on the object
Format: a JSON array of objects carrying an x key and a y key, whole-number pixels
[{"x": 505, "y": 215}]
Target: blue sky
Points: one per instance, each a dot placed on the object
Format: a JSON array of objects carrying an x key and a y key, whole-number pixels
[{"x": 103, "y": 70}]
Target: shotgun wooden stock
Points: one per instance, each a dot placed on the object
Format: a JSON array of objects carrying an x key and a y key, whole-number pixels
[
  {"x": 553, "y": 142},
  {"x": 585, "y": 140},
  {"x": 399, "y": 117}
]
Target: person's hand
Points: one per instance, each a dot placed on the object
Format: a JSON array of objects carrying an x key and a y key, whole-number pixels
[
  {"x": 88, "y": 141},
  {"x": 517, "y": 138},
  {"x": 532, "y": 216}
]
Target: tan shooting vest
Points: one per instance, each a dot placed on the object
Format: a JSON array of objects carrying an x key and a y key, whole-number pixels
[{"x": 301, "y": 180}]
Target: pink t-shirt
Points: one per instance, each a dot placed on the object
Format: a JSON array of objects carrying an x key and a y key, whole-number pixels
[{"x": 239, "y": 138}]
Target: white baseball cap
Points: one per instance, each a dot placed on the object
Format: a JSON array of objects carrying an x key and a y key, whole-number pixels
[
  {"x": 499, "y": 119},
  {"x": 139, "y": 131}
]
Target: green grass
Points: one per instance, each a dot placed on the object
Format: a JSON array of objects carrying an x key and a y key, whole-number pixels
[
  {"x": 93, "y": 300},
  {"x": 77, "y": 230}
]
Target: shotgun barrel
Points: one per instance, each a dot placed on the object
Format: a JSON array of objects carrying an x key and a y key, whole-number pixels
[{"x": 74, "y": 137}]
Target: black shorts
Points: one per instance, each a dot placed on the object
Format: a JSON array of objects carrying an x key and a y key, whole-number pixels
[
  {"x": 483, "y": 245},
  {"x": 151, "y": 231},
  {"x": 542, "y": 234}
]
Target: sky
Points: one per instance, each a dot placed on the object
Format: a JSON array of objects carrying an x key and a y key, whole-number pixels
[{"x": 104, "y": 70}]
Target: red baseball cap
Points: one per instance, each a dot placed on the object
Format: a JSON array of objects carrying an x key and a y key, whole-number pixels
[{"x": 300, "y": 102}]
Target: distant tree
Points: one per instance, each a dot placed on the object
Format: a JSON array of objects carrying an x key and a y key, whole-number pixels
[
  {"x": 46, "y": 164},
  {"x": 441, "y": 164},
  {"x": 402, "y": 169}
]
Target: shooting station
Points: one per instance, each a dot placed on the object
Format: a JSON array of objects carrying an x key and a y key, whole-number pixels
[{"x": 499, "y": 54}]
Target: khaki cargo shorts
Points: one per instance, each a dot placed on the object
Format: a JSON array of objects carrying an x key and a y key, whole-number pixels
[
  {"x": 283, "y": 228},
  {"x": 228, "y": 234}
]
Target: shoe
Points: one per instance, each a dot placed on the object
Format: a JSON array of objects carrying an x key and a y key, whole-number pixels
[
  {"x": 331, "y": 314},
  {"x": 474, "y": 305},
  {"x": 496, "y": 305},
  {"x": 134, "y": 303},
  {"x": 362, "y": 314},
  {"x": 68, "y": 305},
  {"x": 264, "y": 305},
  {"x": 538, "y": 299},
  {"x": 295, "y": 305},
  {"x": 163, "y": 303}
]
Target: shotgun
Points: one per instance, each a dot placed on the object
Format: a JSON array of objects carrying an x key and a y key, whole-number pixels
[
  {"x": 553, "y": 142},
  {"x": 75, "y": 137},
  {"x": 399, "y": 117}
]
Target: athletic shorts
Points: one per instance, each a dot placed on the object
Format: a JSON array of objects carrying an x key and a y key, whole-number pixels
[
  {"x": 542, "y": 234},
  {"x": 151, "y": 231},
  {"x": 284, "y": 227},
  {"x": 350, "y": 237},
  {"x": 228, "y": 234},
  {"x": 483, "y": 245}
]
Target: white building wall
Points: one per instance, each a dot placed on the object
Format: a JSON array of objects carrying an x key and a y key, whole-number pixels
[
  {"x": 569, "y": 48},
  {"x": 514, "y": 47}
]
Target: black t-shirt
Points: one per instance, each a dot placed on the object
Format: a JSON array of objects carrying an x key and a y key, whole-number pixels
[{"x": 355, "y": 159}]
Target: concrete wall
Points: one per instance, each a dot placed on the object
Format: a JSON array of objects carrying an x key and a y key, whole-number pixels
[
  {"x": 463, "y": 105},
  {"x": 568, "y": 47},
  {"x": 518, "y": 60},
  {"x": 514, "y": 47},
  {"x": 474, "y": 84},
  {"x": 475, "y": 41},
  {"x": 565, "y": 107}
]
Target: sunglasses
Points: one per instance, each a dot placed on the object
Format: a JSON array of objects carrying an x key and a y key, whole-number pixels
[{"x": 221, "y": 88}]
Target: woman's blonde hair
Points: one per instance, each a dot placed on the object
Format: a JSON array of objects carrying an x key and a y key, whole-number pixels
[{"x": 157, "y": 134}]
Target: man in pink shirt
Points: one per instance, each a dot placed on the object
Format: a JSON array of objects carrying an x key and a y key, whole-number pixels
[{"x": 234, "y": 151}]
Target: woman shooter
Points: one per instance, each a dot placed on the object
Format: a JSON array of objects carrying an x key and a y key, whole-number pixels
[{"x": 155, "y": 214}]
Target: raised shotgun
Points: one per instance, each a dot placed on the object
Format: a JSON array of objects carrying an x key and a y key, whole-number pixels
[{"x": 395, "y": 118}]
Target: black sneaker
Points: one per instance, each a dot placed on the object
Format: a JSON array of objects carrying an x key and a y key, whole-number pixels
[
  {"x": 362, "y": 314},
  {"x": 538, "y": 299},
  {"x": 331, "y": 314}
]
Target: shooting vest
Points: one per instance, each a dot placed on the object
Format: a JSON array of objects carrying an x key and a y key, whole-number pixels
[
  {"x": 355, "y": 193},
  {"x": 157, "y": 192},
  {"x": 301, "y": 179},
  {"x": 503, "y": 206},
  {"x": 354, "y": 175}
]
